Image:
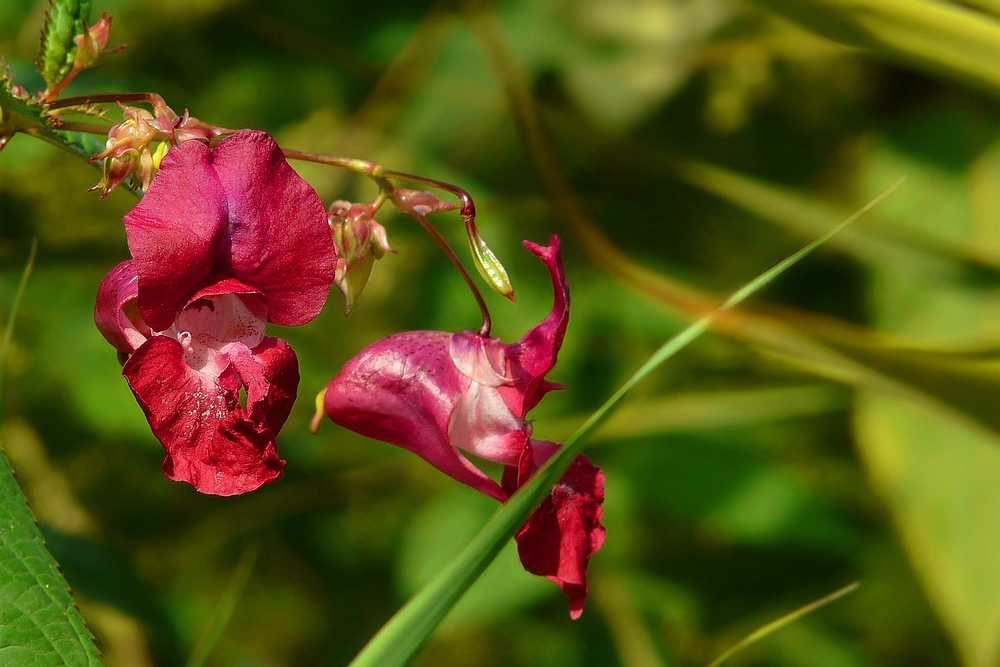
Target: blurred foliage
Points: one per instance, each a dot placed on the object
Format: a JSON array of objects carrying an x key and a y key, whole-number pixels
[{"x": 844, "y": 431}]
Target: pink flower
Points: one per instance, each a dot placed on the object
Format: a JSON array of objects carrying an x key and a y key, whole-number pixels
[
  {"x": 438, "y": 394},
  {"x": 223, "y": 242}
]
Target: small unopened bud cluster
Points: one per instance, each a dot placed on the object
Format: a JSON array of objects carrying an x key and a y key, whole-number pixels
[
  {"x": 130, "y": 150},
  {"x": 360, "y": 240},
  {"x": 137, "y": 144}
]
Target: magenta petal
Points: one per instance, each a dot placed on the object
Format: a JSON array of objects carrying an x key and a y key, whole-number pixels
[
  {"x": 116, "y": 314},
  {"x": 565, "y": 531},
  {"x": 535, "y": 354},
  {"x": 279, "y": 239},
  {"x": 219, "y": 283},
  {"x": 172, "y": 233},
  {"x": 403, "y": 390},
  {"x": 198, "y": 419}
]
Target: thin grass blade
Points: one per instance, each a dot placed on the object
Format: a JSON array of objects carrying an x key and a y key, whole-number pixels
[
  {"x": 216, "y": 626},
  {"x": 8, "y": 332},
  {"x": 776, "y": 625}
]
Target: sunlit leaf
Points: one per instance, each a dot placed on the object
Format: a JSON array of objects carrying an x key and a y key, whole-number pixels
[
  {"x": 928, "y": 34},
  {"x": 940, "y": 475},
  {"x": 941, "y": 479}
]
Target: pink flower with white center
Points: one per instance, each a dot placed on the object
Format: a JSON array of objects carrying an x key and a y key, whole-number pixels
[
  {"x": 224, "y": 241},
  {"x": 438, "y": 394}
]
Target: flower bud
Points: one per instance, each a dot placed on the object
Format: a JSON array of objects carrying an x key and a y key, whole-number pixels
[
  {"x": 91, "y": 44},
  {"x": 116, "y": 170},
  {"x": 360, "y": 240}
]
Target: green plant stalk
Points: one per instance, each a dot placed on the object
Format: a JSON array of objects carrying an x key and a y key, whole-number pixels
[
  {"x": 19, "y": 117},
  {"x": 400, "y": 640}
]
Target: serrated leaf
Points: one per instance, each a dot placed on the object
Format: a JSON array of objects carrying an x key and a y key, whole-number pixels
[{"x": 63, "y": 22}]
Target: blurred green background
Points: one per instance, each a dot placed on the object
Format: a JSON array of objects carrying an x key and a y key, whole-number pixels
[{"x": 842, "y": 427}]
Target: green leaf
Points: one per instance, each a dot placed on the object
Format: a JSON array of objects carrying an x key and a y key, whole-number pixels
[
  {"x": 941, "y": 479},
  {"x": 939, "y": 474},
  {"x": 40, "y": 625},
  {"x": 927, "y": 34},
  {"x": 63, "y": 22},
  {"x": 399, "y": 640}
]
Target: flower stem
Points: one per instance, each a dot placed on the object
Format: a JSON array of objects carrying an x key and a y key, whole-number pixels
[
  {"x": 381, "y": 177},
  {"x": 87, "y": 128},
  {"x": 105, "y": 98},
  {"x": 487, "y": 325}
]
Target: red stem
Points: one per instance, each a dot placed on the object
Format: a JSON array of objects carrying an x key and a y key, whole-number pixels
[
  {"x": 88, "y": 128},
  {"x": 381, "y": 177},
  {"x": 103, "y": 98}
]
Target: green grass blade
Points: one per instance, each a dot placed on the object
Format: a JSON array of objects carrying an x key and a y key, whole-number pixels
[
  {"x": 41, "y": 625},
  {"x": 399, "y": 640},
  {"x": 8, "y": 332},
  {"x": 927, "y": 34},
  {"x": 776, "y": 625},
  {"x": 212, "y": 632}
]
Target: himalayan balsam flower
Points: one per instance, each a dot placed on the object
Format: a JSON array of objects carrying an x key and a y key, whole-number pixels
[
  {"x": 438, "y": 394},
  {"x": 224, "y": 241}
]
